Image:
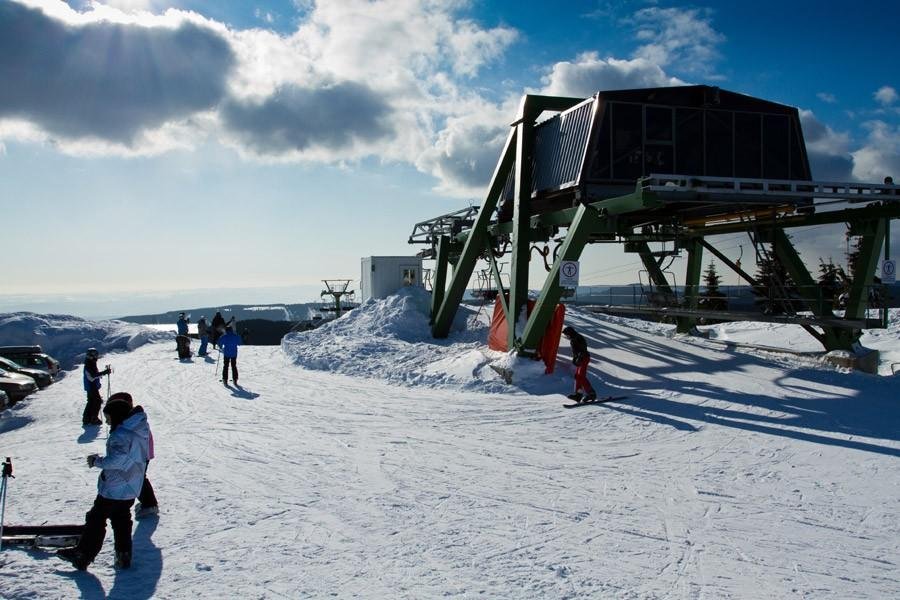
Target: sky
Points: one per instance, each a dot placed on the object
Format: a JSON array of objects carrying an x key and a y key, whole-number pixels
[
  {"x": 181, "y": 145},
  {"x": 721, "y": 472}
]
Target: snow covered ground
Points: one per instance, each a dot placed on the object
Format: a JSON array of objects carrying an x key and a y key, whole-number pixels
[{"x": 364, "y": 459}]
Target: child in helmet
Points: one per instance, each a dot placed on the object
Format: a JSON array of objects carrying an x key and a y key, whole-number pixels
[
  {"x": 118, "y": 485},
  {"x": 581, "y": 359}
]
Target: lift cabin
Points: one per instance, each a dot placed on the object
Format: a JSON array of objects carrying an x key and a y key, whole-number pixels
[{"x": 659, "y": 165}]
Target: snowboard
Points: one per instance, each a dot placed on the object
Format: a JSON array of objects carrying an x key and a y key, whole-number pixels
[{"x": 597, "y": 401}]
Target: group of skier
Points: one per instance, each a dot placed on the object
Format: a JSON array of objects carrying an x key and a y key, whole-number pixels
[
  {"x": 123, "y": 475},
  {"x": 221, "y": 334}
]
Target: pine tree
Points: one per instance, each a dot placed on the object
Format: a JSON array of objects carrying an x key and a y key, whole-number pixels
[
  {"x": 712, "y": 298},
  {"x": 830, "y": 282},
  {"x": 776, "y": 288}
]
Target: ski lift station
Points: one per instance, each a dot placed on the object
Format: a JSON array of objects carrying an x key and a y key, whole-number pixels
[
  {"x": 660, "y": 172},
  {"x": 381, "y": 276}
]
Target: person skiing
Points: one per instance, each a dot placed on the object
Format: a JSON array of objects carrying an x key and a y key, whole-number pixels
[
  {"x": 147, "y": 504},
  {"x": 229, "y": 343},
  {"x": 182, "y": 324},
  {"x": 581, "y": 359},
  {"x": 218, "y": 328},
  {"x": 119, "y": 483},
  {"x": 203, "y": 334},
  {"x": 92, "y": 377}
]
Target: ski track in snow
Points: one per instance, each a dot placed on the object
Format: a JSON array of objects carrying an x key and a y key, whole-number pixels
[{"x": 722, "y": 475}]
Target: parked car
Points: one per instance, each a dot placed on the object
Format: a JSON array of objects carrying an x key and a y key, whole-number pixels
[
  {"x": 31, "y": 357},
  {"x": 16, "y": 386},
  {"x": 4, "y": 400},
  {"x": 41, "y": 378}
]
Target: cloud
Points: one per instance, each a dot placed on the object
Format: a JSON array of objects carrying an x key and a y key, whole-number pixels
[
  {"x": 880, "y": 156},
  {"x": 886, "y": 95},
  {"x": 682, "y": 38},
  {"x": 589, "y": 73},
  {"x": 104, "y": 80},
  {"x": 827, "y": 97},
  {"x": 467, "y": 149},
  {"x": 296, "y": 119},
  {"x": 828, "y": 151}
]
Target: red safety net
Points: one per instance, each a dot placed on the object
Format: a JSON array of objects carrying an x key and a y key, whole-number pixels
[{"x": 548, "y": 346}]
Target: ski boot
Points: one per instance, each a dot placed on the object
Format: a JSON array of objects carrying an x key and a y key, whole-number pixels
[
  {"x": 142, "y": 512},
  {"x": 592, "y": 397},
  {"x": 577, "y": 397},
  {"x": 74, "y": 556}
]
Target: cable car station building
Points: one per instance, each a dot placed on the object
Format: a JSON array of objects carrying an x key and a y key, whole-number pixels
[{"x": 674, "y": 165}]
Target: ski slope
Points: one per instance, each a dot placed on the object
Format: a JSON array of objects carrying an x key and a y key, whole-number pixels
[{"x": 373, "y": 462}]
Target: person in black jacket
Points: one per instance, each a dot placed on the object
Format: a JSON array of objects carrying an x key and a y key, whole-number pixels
[
  {"x": 92, "y": 377},
  {"x": 581, "y": 359}
]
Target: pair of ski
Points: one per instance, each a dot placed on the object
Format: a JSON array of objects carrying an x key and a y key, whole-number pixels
[
  {"x": 595, "y": 401},
  {"x": 42, "y": 536}
]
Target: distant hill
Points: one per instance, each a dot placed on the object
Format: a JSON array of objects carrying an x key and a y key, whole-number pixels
[{"x": 241, "y": 312}]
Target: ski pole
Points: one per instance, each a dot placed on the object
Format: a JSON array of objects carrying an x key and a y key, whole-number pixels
[
  {"x": 218, "y": 356},
  {"x": 7, "y": 473},
  {"x": 108, "y": 372}
]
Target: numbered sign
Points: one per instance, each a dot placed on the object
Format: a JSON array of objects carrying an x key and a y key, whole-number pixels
[
  {"x": 568, "y": 274},
  {"x": 888, "y": 271}
]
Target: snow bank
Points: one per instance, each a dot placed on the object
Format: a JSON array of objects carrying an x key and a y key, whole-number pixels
[
  {"x": 390, "y": 339},
  {"x": 66, "y": 338}
]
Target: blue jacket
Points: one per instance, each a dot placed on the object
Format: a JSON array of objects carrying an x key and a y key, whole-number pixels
[
  {"x": 182, "y": 326},
  {"x": 127, "y": 453},
  {"x": 91, "y": 376},
  {"x": 229, "y": 343}
]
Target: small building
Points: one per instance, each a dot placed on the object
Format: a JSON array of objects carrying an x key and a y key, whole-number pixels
[{"x": 381, "y": 276}]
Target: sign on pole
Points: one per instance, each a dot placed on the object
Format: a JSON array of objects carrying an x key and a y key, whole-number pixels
[
  {"x": 568, "y": 274},
  {"x": 888, "y": 271}
]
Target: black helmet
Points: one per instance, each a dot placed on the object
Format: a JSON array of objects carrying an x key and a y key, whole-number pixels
[
  {"x": 568, "y": 331},
  {"x": 92, "y": 354}
]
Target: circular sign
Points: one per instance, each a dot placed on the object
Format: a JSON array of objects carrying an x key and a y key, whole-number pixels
[{"x": 570, "y": 269}]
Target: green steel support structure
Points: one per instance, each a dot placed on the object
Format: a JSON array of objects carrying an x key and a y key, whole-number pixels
[
  {"x": 519, "y": 148},
  {"x": 692, "y": 282},
  {"x": 623, "y": 219},
  {"x": 439, "y": 286},
  {"x": 474, "y": 245},
  {"x": 585, "y": 222}
]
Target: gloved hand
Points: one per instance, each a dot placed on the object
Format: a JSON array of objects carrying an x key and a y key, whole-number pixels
[{"x": 91, "y": 459}]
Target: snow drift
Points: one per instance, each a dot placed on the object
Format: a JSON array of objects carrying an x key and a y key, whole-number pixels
[{"x": 66, "y": 338}]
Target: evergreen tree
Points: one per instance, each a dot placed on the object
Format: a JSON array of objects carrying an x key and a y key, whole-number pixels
[
  {"x": 830, "y": 282},
  {"x": 712, "y": 298},
  {"x": 776, "y": 289}
]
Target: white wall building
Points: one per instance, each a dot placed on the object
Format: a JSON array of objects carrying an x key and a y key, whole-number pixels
[{"x": 381, "y": 276}]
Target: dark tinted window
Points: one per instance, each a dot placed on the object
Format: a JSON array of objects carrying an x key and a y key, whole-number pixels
[
  {"x": 659, "y": 124},
  {"x": 719, "y": 143},
  {"x": 748, "y": 145},
  {"x": 777, "y": 146},
  {"x": 600, "y": 165},
  {"x": 689, "y": 141},
  {"x": 627, "y": 156}
]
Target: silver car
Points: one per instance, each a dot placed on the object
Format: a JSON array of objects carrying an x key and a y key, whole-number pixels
[
  {"x": 16, "y": 386},
  {"x": 41, "y": 378}
]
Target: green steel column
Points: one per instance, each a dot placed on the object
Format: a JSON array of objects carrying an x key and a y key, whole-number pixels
[
  {"x": 500, "y": 291},
  {"x": 691, "y": 283},
  {"x": 871, "y": 239},
  {"x": 474, "y": 245},
  {"x": 521, "y": 238},
  {"x": 440, "y": 275},
  {"x": 833, "y": 338},
  {"x": 656, "y": 274},
  {"x": 585, "y": 221}
]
